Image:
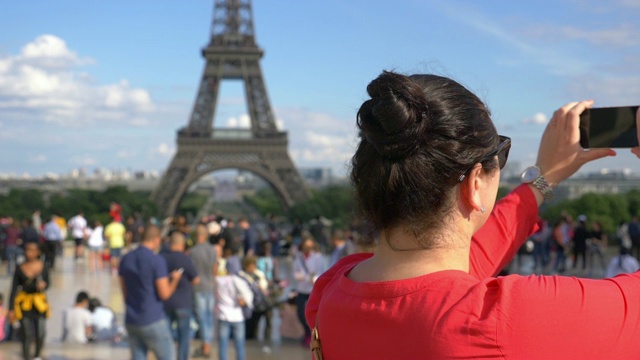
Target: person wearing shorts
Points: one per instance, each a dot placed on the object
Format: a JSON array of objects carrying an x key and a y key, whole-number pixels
[
  {"x": 78, "y": 227},
  {"x": 114, "y": 233},
  {"x": 96, "y": 245}
]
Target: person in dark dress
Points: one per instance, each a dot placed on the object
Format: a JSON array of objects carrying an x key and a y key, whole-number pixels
[{"x": 28, "y": 303}]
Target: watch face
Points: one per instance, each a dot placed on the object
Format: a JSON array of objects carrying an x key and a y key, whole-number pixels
[{"x": 530, "y": 174}]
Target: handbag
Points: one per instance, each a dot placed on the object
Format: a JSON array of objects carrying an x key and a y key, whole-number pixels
[{"x": 316, "y": 346}]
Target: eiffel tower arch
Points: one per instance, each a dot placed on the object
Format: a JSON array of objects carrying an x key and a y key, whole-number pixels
[{"x": 232, "y": 54}]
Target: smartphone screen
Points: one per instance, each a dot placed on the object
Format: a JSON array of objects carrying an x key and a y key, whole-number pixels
[{"x": 612, "y": 127}]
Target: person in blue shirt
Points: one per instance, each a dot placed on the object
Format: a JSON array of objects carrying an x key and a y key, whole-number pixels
[
  {"x": 144, "y": 279},
  {"x": 251, "y": 237},
  {"x": 52, "y": 235},
  {"x": 178, "y": 306}
]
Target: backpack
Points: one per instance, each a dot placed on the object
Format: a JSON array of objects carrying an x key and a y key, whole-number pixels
[{"x": 260, "y": 301}]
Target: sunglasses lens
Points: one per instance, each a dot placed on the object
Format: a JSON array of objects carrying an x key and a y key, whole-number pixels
[{"x": 502, "y": 157}]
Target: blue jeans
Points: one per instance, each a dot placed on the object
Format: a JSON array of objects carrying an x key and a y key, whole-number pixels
[
  {"x": 204, "y": 305},
  {"x": 155, "y": 337},
  {"x": 182, "y": 332},
  {"x": 224, "y": 333},
  {"x": 12, "y": 252}
]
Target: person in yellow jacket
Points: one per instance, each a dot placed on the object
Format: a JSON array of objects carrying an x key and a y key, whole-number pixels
[{"x": 28, "y": 303}]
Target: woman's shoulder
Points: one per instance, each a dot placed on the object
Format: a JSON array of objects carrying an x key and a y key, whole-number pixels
[
  {"x": 344, "y": 264},
  {"x": 352, "y": 259}
]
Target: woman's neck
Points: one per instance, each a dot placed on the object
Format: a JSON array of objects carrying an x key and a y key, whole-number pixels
[{"x": 450, "y": 253}]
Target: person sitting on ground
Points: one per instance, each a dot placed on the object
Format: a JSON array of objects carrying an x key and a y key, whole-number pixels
[
  {"x": 426, "y": 175},
  {"x": 103, "y": 322},
  {"x": 76, "y": 321}
]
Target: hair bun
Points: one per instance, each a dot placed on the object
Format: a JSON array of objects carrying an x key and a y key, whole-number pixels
[{"x": 394, "y": 116}]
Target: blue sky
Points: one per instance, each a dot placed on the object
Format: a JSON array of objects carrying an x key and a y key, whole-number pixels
[{"x": 106, "y": 84}]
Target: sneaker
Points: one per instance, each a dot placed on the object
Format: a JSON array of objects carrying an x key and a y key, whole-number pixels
[{"x": 200, "y": 354}]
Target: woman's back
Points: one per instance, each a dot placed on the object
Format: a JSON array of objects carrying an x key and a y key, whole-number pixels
[
  {"x": 453, "y": 315},
  {"x": 424, "y": 317}
]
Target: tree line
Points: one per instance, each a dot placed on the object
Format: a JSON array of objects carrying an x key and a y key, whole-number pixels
[
  {"x": 337, "y": 204},
  {"x": 334, "y": 202},
  {"x": 21, "y": 203}
]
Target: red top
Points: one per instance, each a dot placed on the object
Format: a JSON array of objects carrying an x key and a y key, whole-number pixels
[{"x": 455, "y": 315}]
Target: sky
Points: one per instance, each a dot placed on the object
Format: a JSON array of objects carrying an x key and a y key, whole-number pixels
[{"x": 106, "y": 84}]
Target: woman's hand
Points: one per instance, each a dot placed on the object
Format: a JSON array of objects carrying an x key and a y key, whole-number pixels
[{"x": 560, "y": 154}]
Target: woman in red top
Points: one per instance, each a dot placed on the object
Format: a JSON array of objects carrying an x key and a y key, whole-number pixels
[{"x": 426, "y": 175}]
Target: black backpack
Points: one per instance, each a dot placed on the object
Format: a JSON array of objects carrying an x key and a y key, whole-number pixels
[{"x": 260, "y": 301}]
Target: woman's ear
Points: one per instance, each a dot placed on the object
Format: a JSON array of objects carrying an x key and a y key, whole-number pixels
[{"x": 471, "y": 187}]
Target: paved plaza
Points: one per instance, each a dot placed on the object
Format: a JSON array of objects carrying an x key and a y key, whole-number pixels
[{"x": 70, "y": 277}]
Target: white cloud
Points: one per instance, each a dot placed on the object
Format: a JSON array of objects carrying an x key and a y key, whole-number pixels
[
  {"x": 51, "y": 52},
  {"x": 279, "y": 124},
  {"x": 536, "y": 119},
  {"x": 243, "y": 122},
  {"x": 318, "y": 139},
  {"x": 45, "y": 82},
  {"x": 164, "y": 150}
]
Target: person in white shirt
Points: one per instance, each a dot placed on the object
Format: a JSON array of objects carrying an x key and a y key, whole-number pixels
[
  {"x": 103, "y": 322},
  {"x": 622, "y": 264},
  {"x": 78, "y": 227},
  {"x": 96, "y": 246},
  {"x": 76, "y": 321},
  {"x": 232, "y": 293}
]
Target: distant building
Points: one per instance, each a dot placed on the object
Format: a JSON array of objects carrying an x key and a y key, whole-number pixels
[{"x": 317, "y": 177}]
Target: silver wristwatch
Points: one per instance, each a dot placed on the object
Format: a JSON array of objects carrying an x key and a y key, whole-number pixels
[{"x": 533, "y": 176}]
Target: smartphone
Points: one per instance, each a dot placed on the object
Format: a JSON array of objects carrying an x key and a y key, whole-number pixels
[
  {"x": 610, "y": 127},
  {"x": 180, "y": 270}
]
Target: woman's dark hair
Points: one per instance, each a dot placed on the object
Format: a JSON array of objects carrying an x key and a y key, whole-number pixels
[
  {"x": 418, "y": 134},
  {"x": 262, "y": 248},
  {"x": 93, "y": 304}
]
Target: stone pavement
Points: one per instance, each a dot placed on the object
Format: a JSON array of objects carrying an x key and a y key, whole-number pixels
[{"x": 70, "y": 277}]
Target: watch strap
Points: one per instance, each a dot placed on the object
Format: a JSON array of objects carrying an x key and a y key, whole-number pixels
[{"x": 541, "y": 184}]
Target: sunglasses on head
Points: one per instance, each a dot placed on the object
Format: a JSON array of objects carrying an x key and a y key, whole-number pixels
[{"x": 501, "y": 151}]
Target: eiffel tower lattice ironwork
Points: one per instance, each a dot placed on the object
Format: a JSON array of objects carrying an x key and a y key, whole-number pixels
[{"x": 232, "y": 54}]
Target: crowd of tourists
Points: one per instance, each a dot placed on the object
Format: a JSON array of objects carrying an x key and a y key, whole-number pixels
[
  {"x": 582, "y": 248},
  {"x": 215, "y": 280}
]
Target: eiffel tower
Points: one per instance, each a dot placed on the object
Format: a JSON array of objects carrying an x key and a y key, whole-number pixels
[{"x": 232, "y": 54}]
